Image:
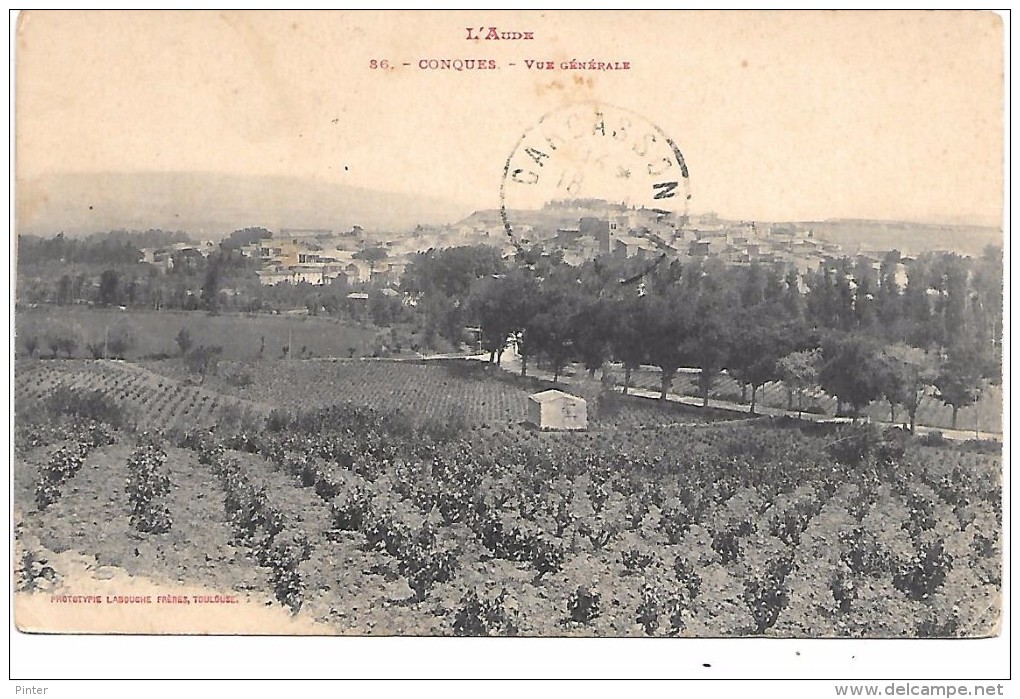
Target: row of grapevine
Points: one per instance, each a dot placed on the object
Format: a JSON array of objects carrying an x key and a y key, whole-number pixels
[
  {"x": 357, "y": 505},
  {"x": 258, "y": 524},
  {"x": 68, "y": 459},
  {"x": 147, "y": 487}
]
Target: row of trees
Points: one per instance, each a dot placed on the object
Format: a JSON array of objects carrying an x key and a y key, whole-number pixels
[
  {"x": 113, "y": 247},
  {"x": 857, "y": 332},
  {"x": 105, "y": 269},
  {"x": 224, "y": 281},
  {"x": 113, "y": 342}
]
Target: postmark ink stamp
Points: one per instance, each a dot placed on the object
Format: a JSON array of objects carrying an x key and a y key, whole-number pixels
[{"x": 594, "y": 155}]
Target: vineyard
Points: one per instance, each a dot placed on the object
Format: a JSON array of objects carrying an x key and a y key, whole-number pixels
[
  {"x": 462, "y": 391},
  {"x": 148, "y": 399},
  {"x": 428, "y": 390},
  {"x": 367, "y": 519}
]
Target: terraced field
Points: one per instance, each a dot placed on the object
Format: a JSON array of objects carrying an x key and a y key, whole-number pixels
[{"x": 148, "y": 400}]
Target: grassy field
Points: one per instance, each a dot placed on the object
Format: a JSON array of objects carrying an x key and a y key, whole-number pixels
[{"x": 241, "y": 336}]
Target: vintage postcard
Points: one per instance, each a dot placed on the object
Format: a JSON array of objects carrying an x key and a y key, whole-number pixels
[{"x": 613, "y": 324}]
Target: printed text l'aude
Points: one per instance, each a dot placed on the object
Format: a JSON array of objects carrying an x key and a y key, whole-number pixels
[{"x": 496, "y": 34}]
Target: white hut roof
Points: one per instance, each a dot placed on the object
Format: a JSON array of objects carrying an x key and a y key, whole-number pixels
[{"x": 551, "y": 395}]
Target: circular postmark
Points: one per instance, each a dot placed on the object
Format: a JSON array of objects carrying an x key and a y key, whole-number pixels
[{"x": 602, "y": 163}]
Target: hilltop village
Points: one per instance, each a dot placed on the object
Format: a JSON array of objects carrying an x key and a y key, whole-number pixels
[{"x": 577, "y": 230}]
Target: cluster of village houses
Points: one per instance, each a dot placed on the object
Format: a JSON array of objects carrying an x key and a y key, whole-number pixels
[{"x": 319, "y": 257}]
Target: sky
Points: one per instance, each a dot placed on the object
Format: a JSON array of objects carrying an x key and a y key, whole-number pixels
[{"x": 779, "y": 116}]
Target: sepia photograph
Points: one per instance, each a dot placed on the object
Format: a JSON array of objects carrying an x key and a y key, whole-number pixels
[{"x": 643, "y": 324}]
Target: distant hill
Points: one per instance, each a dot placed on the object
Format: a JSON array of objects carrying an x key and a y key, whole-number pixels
[
  {"x": 908, "y": 238},
  {"x": 213, "y": 204}
]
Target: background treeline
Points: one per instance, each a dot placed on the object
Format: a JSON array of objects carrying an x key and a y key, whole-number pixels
[
  {"x": 857, "y": 332},
  {"x": 106, "y": 269},
  {"x": 109, "y": 248}
]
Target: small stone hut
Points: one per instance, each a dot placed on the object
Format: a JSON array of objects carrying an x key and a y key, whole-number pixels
[{"x": 556, "y": 410}]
